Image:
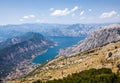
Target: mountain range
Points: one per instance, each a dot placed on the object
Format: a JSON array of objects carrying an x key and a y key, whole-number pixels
[
  {"x": 99, "y": 37},
  {"x": 93, "y": 52},
  {"x": 70, "y": 30},
  {"x": 15, "y": 50},
  {"x": 99, "y": 50}
]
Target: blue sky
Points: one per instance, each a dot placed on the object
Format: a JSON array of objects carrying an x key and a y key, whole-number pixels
[{"x": 59, "y": 11}]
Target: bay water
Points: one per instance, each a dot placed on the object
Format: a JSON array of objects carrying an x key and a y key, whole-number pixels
[{"x": 62, "y": 42}]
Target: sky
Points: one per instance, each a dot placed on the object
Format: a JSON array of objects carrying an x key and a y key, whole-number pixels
[{"x": 59, "y": 11}]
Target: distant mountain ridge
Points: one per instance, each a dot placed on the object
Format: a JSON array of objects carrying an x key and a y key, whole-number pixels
[
  {"x": 70, "y": 30},
  {"x": 18, "y": 39},
  {"x": 100, "y": 37},
  {"x": 15, "y": 50}
]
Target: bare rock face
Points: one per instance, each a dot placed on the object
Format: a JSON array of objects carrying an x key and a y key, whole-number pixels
[{"x": 100, "y": 37}]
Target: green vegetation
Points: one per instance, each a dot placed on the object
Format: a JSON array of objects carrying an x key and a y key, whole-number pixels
[
  {"x": 103, "y": 75},
  {"x": 38, "y": 81}
]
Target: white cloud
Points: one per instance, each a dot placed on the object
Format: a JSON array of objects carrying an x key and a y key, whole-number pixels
[
  {"x": 108, "y": 14},
  {"x": 28, "y": 16},
  {"x": 25, "y": 17},
  {"x": 63, "y": 12},
  {"x": 60, "y": 12},
  {"x": 74, "y": 9},
  {"x": 82, "y": 12},
  {"x": 51, "y": 9}
]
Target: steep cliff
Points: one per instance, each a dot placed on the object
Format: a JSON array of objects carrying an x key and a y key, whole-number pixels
[
  {"x": 15, "y": 50},
  {"x": 100, "y": 37}
]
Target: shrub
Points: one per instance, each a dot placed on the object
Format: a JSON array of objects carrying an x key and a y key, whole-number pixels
[
  {"x": 103, "y": 75},
  {"x": 38, "y": 81}
]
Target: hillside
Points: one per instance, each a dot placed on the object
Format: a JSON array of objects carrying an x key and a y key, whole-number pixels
[
  {"x": 62, "y": 67},
  {"x": 20, "y": 50},
  {"x": 103, "y": 75},
  {"x": 105, "y": 56},
  {"x": 100, "y": 37}
]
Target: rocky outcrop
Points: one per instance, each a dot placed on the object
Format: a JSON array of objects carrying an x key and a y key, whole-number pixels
[
  {"x": 100, "y": 37},
  {"x": 15, "y": 50}
]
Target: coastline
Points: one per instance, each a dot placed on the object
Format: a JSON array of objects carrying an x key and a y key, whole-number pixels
[
  {"x": 38, "y": 54},
  {"x": 25, "y": 67}
]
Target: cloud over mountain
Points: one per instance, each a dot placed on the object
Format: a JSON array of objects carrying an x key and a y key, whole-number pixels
[{"x": 108, "y": 14}]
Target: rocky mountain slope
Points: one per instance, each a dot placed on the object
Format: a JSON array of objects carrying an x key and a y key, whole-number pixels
[
  {"x": 18, "y": 49},
  {"x": 62, "y": 67},
  {"x": 100, "y": 37}
]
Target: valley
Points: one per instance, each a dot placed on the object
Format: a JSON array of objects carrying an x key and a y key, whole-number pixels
[
  {"x": 102, "y": 55},
  {"x": 59, "y": 41},
  {"x": 33, "y": 57},
  {"x": 62, "y": 67}
]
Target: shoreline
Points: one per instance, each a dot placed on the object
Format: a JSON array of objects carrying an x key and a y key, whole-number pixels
[
  {"x": 44, "y": 52},
  {"x": 24, "y": 67},
  {"x": 38, "y": 54}
]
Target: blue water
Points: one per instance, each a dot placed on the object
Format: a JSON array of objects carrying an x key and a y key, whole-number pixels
[{"x": 62, "y": 42}]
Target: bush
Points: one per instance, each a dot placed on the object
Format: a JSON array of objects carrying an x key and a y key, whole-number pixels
[
  {"x": 103, "y": 75},
  {"x": 38, "y": 81}
]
